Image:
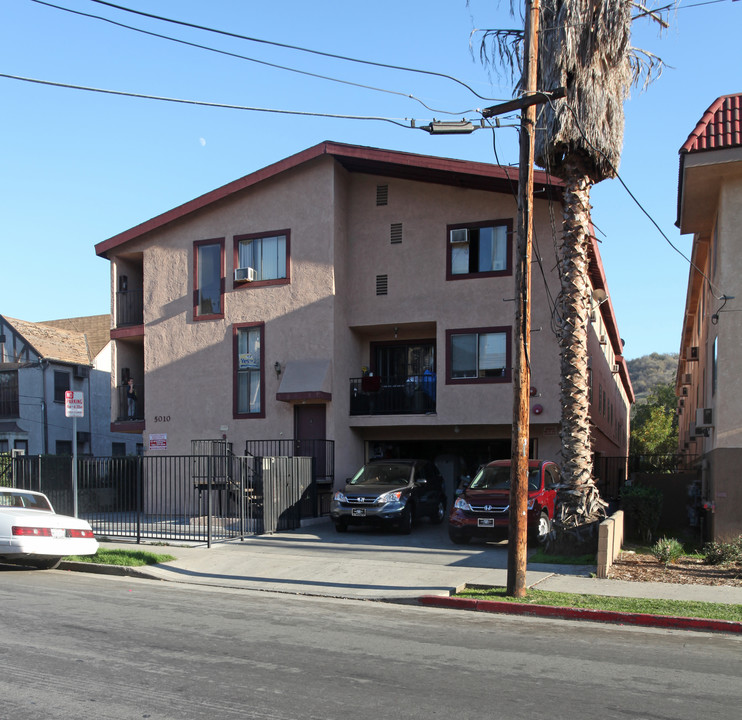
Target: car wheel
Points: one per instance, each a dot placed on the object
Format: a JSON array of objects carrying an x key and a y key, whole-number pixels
[
  {"x": 341, "y": 526},
  {"x": 458, "y": 538},
  {"x": 405, "y": 521},
  {"x": 46, "y": 563},
  {"x": 440, "y": 512},
  {"x": 543, "y": 529}
]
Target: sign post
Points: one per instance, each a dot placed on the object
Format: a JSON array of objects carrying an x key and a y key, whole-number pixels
[{"x": 74, "y": 407}]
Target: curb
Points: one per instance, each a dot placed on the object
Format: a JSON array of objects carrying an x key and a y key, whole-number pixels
[
  {"x": 622, "y": 618},
  {"x": 100, "y": 569}
]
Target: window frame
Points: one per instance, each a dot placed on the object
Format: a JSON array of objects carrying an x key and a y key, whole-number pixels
[
  {"x": 9, "y": 395},
  {"x": 197, "y": 245},
  {"x": 236, "y": 414},
  {"x": 237, "y": 239},
  {"x": 507, "y": 223},
  {"x": 508, "y": 373},
  {"x": 59, "y": 391}
]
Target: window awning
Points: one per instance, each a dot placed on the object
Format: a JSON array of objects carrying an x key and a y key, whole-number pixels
[{"x": 305, "y": 380}]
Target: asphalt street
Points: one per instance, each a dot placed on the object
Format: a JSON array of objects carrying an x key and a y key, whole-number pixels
[{"x": 116, "y": 648}]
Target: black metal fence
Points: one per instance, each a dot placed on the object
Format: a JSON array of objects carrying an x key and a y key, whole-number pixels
[
  {"x": 316, "y": 501},
  {"x": 611, "y": 473},
  {"x": 196, "y": 498}
]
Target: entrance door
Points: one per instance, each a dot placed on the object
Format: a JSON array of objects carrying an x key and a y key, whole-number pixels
[{"x": 310, "y": 426}]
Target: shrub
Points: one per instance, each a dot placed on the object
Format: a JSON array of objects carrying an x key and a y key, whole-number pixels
[
  {"x": 667, "y": 550},
  {"x": 642, "y": 505},
  {"x": 720, "y": 553}
]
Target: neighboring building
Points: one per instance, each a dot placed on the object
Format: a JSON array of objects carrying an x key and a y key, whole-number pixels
[
  {"x": 352, "y": 294},
  {"x": 39, "y": 362},
  {"x": 709, "y": 381}
]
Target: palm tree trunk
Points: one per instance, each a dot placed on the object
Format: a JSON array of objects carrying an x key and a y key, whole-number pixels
[{"x": 580, "y": 502}]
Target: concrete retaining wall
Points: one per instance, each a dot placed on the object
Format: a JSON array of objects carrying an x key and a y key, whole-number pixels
[{"x": 610, "y": 541}]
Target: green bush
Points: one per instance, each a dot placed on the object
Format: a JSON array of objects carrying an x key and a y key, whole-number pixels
[
  {"x": 720, "y": 553},
  {"x": 667, "y": 550},
  {"x": 642, "y": 505}
]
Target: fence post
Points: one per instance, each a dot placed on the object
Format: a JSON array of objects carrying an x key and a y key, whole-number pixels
[
  {"x": 140, "y": 461},
  {"x": 209, "y": 466}
]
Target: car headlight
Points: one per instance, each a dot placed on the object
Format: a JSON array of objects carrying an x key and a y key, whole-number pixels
[
  {"x": 339, "y": 497},
  {"x": 462, "y": 504},
  {"x": 388, "y": 497}
]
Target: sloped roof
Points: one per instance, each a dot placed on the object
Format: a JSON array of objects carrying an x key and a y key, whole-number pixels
[
  {"x": 97, "y": 329},
  {"x": 53, "y": 343},
  {"x": 354, "y": 158},
  {"x": 720, "y": 127}
]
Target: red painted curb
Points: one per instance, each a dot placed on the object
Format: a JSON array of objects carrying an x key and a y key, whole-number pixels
[{"x": 623, "y": 618}]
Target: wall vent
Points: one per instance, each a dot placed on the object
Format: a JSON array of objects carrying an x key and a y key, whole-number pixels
[
  {"x": 396, "y": 233},
  {"x": 382, "y": 194},
  {"x": 382, "y": 284}
]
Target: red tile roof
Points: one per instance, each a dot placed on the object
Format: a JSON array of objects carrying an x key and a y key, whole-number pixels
[{"x": 720, "y": 127}]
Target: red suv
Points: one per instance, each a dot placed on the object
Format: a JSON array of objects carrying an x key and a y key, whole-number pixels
[{"x": 481, "y": 510}]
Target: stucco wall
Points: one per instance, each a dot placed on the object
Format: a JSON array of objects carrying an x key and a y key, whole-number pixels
[
  {"x": 340, "y": 242},
  {"x": 724, "y": 490}
]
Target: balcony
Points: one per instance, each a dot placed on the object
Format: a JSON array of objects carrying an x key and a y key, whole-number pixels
[
  {"x": 123, "y": 410},
  {"x": 129, "y": 308},
  {"x": 377, "y": 395}
]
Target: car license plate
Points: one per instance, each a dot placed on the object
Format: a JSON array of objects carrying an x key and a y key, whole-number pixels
[
  {"x": 57, "y": 533},
  {"x": 359, "y": 512},
  {"x": 485, "y": 522}
]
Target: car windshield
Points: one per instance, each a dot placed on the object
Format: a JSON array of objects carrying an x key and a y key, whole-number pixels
[
  {"x": 383, "y": 474},
  {"x": 24, "y": 500},
  {"x": 497, "y": 477}
]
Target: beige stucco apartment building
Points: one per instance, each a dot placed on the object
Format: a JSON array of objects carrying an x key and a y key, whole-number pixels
[
  {"x": 352, "y": 294},
  {"x": 709, "y": 382}
]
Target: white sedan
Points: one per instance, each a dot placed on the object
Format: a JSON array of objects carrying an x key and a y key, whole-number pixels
[{"x": 31, "y": 533}]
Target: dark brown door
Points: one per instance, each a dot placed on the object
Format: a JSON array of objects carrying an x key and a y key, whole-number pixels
[{"x": 310, "y": 430}]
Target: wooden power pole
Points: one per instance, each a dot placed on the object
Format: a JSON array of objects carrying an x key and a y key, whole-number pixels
[{"x": 518, "y": 538}]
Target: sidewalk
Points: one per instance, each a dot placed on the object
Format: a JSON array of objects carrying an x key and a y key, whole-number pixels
[{"x": 370, "y": 565}]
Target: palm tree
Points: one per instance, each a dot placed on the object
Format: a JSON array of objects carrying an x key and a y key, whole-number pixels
[{"x": 584, "y": 47}]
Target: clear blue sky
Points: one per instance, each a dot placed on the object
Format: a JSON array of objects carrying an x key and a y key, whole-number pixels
[{"x": 79, "y": 167}]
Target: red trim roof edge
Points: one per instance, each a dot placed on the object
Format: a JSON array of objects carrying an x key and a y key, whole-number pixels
[{"x": 392, "y": 157}]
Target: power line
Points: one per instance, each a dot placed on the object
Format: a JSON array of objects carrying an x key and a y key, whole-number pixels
[
  {"x": 69, "y": 86},
  {"x": 249, "y": 59},
  {"x": 288, "y": 46}
]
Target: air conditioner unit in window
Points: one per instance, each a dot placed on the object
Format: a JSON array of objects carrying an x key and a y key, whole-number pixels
[
  {"x": 247, "y": 274},
  {"x": 691, "y": 353},
  {"x": 704, "y": 418},
  {"x": 603, "y": 339},
  {"x": 615, "y": 369},
  {"x": 461, "y": 235}
]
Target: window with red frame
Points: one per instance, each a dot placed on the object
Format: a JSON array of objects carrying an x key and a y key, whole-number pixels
[
  {"x": 479, "y": 249},
  {"x": 248, "y": 364},
  {"x": 479, "y": 355},
  {"x": 209, "y": 278}
]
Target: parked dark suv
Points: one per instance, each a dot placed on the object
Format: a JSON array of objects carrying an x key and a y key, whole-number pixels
[
  {"x": 482, "y": 509},
  {"x": 390, "y": 492}
]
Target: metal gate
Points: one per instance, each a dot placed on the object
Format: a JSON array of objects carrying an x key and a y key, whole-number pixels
[{"x": 190, "y": 497}]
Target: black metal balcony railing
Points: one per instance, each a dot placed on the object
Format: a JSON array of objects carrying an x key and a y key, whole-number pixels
[
  {"x": 129, "y": 307},
  {"x": 125, "y": 412},
  {"x": 377, "y": 395}
]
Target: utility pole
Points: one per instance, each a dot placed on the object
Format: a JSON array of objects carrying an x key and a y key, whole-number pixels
[{"x": 518, "y": 536}]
